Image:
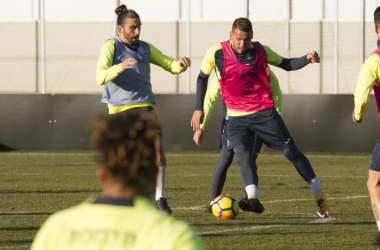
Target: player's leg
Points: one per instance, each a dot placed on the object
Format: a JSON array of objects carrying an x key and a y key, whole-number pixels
[
  {"x": 220, "y": 170},
  {"x": 240, "y": 139},
  {"x": 220, "y": 173},
  {"x": 161, "y": 202},
  {"x": 373, "y": 185},
  {"x": 257, "y": 144},
  {"x": 274, "y": 133}
]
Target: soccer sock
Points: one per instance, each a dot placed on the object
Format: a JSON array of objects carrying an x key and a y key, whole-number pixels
[
  {"x": 160, "y": 182},
  {"x": 378, "y": 224},
  {"x": 220, "y": 171},
  {"x": 315, "y": 187},
  {"x": 252, "y": 190}
]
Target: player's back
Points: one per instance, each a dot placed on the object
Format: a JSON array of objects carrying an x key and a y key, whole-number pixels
[{"x": 104, "y": 226}]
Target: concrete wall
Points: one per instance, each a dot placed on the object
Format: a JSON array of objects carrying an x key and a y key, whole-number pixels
[
  {"x": 45, "y": 122},
  {"x": 72, "y": 50}
]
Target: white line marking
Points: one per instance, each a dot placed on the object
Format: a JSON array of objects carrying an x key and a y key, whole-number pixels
[
  {"x": 279, "y": 201},
  {"x": 318, "y": 221},
  {"x": 328, "y": 198}
]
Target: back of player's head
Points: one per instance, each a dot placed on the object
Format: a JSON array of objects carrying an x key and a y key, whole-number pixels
[
  {"x": 376, "y": 16},
  {"x": 242, "y": 24},
  {"x": 123, "y": 13},
  {"x": 126, "y": 148}
]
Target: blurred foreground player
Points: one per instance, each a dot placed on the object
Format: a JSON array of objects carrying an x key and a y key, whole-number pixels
[
  {"x": 368, "y": 79},
  {"x": 123, "y": 217}
]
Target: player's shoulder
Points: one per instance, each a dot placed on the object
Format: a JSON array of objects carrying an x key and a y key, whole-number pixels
[
  {"x": 110, "y": 43},
  {"x": 267, "y": 48},
  {"x": 373, "y": 61},
  {"x": 214, "y": 48}
]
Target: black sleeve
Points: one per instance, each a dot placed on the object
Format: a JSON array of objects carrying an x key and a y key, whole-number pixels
[
  {"x": 201, "y": 90},
  {"x": 290, "y": 64}
]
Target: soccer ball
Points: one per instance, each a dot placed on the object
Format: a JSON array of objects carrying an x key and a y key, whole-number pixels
[{"x": 225, "y": 207}]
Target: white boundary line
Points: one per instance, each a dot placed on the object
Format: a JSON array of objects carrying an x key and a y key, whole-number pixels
[
  {"x": 318, "y": 221},
  {"x": 279, "y": 201}
]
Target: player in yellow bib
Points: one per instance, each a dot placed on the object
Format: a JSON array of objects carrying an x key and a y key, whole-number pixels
[{"x": 124, "y": 216}]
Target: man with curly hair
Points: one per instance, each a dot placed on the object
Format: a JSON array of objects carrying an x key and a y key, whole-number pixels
[{"x": 123, "y": 217}]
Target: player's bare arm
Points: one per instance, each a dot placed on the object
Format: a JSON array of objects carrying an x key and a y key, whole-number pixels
[
  {"x": 197, "y": 119},
  {"x": 198, "y": 137}
]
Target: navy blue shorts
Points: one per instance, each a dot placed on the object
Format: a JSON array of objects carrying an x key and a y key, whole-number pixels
[
  {"x": 375, "y": 160},
  {"x": 141, "y": 110},
  {"x": 223, "y": 138},
  {"x": 266, "y": 124}
]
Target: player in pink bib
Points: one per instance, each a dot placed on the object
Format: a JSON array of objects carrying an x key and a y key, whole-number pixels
[{"x": 250, "y": 108}]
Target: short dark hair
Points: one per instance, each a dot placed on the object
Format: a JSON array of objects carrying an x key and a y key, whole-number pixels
[
  {"x": 126, "y": 147},
  {"x": 242, "y": 24},
  {"x": 122, "y": 13},
  {"x": 376, "y": 16}
]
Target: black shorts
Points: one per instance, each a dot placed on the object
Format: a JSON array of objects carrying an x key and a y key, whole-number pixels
[
  {"x": 375, "y": 160},
  {"x": 266, "y": 124},
  {"x": 149, "y": 110},
  {"x": 223, "y": 138}
]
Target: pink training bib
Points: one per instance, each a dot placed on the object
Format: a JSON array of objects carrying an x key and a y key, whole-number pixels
[
  {"x": 376, "y": 88},
  {"x": 246, "y": 87}
]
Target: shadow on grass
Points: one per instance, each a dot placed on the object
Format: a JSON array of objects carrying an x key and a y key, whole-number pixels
[
  {"x": 29, "y": 213},
  {"x": 18, "y": 228},
  {"x": 16, "y": 242},
  {"x": 5, "y": 148}
]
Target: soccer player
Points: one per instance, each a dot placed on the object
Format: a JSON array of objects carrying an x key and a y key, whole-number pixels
[
  {"x": 226, "y": 156},
  {"x": 123, "y": 217},
  {"x": 245, "y": 88},
  {"x": 368, "y": 79},
  {"x": 124, "y": 70}
]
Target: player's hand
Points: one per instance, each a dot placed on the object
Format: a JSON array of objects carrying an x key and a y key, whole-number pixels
[
  {"x": 313, "y": 57},
  {"x": 128, "y": 63},
  {"x": 197, "y": 119},
  {"x": 185, "y": 62},
  {"x": 353, "y": 118},
  {"x": 198, "y": 137}
]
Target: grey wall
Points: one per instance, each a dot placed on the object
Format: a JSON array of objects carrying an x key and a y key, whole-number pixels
[{"x": 45, "y": 122}]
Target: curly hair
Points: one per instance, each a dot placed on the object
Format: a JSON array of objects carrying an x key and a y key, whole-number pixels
[{"x": 126, "y": 147}]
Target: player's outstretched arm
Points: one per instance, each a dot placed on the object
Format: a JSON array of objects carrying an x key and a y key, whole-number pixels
[{"x": 290, "y": 64}]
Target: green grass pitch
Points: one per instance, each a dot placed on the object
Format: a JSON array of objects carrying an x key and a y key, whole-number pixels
[{"x": 35, "y": 184}]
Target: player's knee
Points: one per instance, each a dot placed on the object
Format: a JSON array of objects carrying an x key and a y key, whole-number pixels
[
  {"x": 289, "y": 152},
  {"x": 372, "y": 185}
]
